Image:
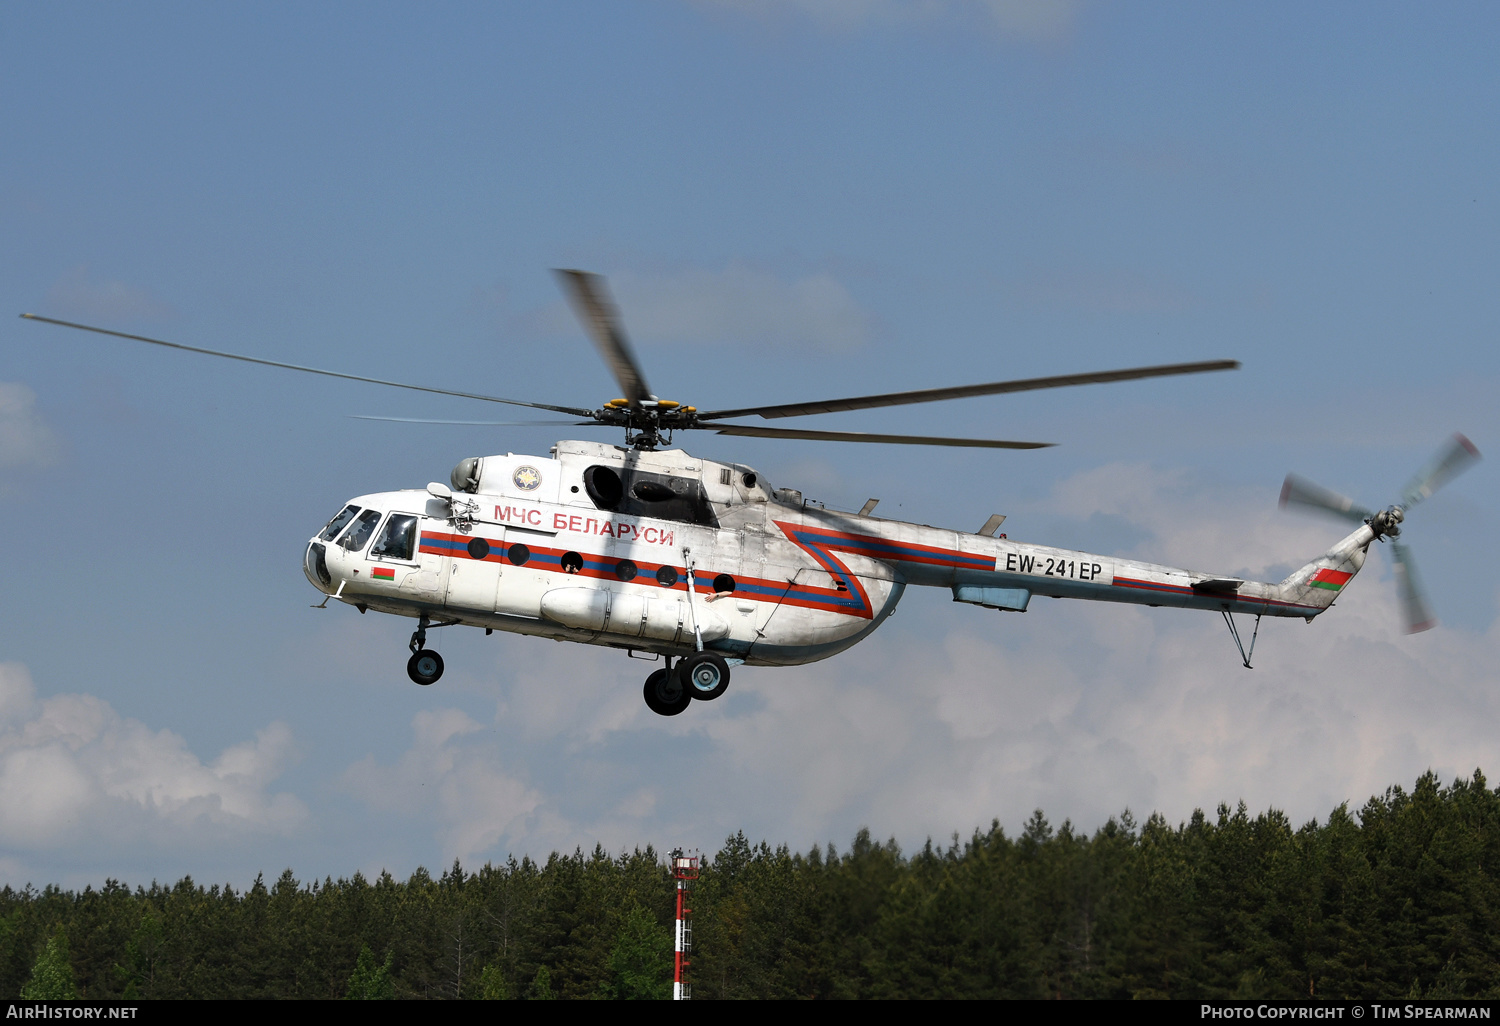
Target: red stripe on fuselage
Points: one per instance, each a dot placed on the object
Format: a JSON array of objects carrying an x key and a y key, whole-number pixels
[{"x": 830, "y": 600}]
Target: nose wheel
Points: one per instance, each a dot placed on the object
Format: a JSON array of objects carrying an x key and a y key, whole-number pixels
[{"x": 425, "y": 666}]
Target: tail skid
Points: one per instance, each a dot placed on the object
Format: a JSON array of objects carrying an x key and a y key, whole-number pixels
[{"x": 1314, "y": 586}]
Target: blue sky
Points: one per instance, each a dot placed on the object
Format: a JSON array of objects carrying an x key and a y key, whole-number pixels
[{"x": 792, "y": 201}]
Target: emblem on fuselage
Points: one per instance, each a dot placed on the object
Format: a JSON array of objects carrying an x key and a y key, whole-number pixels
[{"x": 527, "y": 478}]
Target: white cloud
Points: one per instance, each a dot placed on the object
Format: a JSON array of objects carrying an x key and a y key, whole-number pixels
[
  {"x": 1085, "y": 709},
  {"x": 24, "y": 437},
  {"x": 72, "y": 769},
  {"x": 79, "y": 294},
  {"x": 1033, "y": 21},
  {"x": 459, "y": 786},
  {"x": 1187, "y": 521},
  {"x": 952, "y": 715}
]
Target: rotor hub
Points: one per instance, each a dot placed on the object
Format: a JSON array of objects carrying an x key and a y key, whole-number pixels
[{"x": 1387, "y": 522}]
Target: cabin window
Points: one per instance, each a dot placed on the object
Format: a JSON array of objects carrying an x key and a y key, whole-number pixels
[
  {"x": 666, "y": 576},
  {"x": 723, "y": 584},
  {"x": 338, "y": 523},
  {"x": 359, "y": 532},
  {"x": 639, "y": 493},
  {"x": 518, "y": 554},
  {"x": 626, "y": 570},
  {"x": 397, "y": 539}
]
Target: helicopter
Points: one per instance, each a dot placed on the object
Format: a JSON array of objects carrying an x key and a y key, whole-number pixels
[{"x": 705, "y": 566}]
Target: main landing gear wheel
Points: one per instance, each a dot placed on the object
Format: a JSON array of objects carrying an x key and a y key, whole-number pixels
[
  {"x": 425, "y": 666},
  {"x": 665, "y": 694},
  {"x": 704, "y": 675}
]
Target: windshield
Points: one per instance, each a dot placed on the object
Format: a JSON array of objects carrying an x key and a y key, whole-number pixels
[
  {"x": 354, "y": 539},
  {"x": 337, "y": 523}
]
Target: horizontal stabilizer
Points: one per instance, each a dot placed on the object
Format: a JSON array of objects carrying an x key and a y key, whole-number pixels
[{"x": 1218, "y": 584}]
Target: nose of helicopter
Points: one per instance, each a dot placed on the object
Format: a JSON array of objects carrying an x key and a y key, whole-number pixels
[{"x": 315, "y": 565}]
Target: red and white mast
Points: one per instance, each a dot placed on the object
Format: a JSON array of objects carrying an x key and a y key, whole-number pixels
[{"x": 684, "y": 871}]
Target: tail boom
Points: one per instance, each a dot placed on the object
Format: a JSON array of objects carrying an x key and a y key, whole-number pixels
[{"x": 1025, "y": 570}]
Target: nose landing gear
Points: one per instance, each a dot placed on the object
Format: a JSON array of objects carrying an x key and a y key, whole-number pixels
[{"x": 425, "y": 666}]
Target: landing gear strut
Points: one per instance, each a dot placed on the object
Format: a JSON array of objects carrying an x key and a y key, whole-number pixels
[{"x": 425, "y": 666}]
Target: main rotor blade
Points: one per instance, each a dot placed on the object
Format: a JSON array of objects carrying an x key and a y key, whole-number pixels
[
  {"x": 309, "y": 370},
  {"x": 754, "y": 431},
  {"x": 932, "y": 395},
  {"x": 1453, "y": 459},
  {"x": 1299, "y": 491},
  {"x": 592, "y": 304},
  {"x": 1414, "y": 606},
  {"x": 480, "y": 423}
]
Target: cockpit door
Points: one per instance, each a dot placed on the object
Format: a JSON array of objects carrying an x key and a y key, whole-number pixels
[{"x": 430, "y": 582}]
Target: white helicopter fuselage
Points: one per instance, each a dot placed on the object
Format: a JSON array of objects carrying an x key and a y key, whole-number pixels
[{"x": 598, "y": 543}]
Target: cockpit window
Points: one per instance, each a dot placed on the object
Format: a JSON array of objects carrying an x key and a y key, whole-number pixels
[
  {"x": 359, "y": 532},
  {"x": 638, "y": 493},
  {"x": 337, "y": 523},
  {"x": 397, "y": 538}
]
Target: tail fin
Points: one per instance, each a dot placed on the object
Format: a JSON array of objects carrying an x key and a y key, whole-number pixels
[{"x": 1318, "y": 583}]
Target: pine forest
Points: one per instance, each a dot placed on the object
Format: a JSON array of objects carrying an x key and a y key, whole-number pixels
[{"x": 1399, "y": 899}]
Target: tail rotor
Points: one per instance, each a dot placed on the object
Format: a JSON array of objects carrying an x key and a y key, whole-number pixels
[
  {"x": 1414, "y": 608},
  {"x": 1458, "y": 455},
  {"x": 1453, "y": 459},
  {"x": 1299, "y": 491}
]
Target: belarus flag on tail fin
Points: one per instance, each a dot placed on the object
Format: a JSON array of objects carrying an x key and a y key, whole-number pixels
[{"x": 1331, "y": 580}]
